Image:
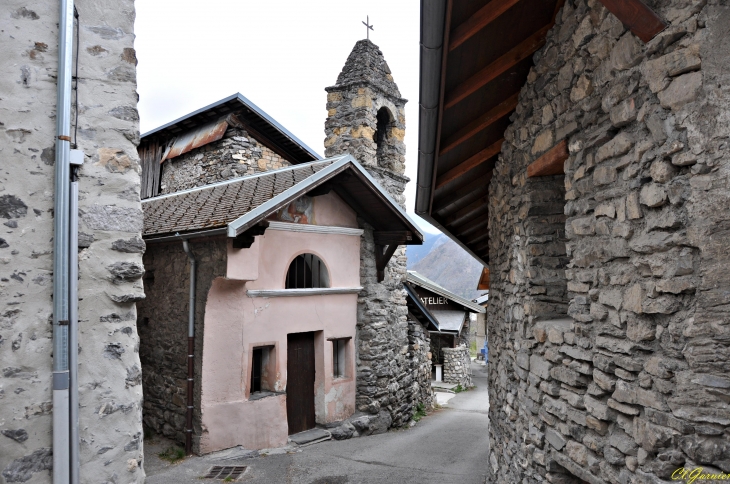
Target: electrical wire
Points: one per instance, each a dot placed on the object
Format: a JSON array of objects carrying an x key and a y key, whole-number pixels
[{"x": 76, "y": 77}]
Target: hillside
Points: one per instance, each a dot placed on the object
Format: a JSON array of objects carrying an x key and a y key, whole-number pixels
[{"x": 446, "y": 264}]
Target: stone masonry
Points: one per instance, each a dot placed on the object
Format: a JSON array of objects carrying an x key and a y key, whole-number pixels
[
  {"x": 236, "y": 154},
  {"x": 164, "y": 332},
  {"x": 366, "y": 118},
  {"x": 457, "y": 366},
  {"x": 608, "y": 335},
  {"x": 110, "y": 257}
]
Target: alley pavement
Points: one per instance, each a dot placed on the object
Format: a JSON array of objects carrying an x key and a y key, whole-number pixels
[{"x": 450, "y": 445}]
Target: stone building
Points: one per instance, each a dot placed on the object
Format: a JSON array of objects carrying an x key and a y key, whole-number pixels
[
  {"x": 232, "y": 154},
  {"x": 366, "y": 118},
  {"x": 447, "y": 317},
  {"x": 110, "y": 247},
  {"x": 582, "y": 155}
]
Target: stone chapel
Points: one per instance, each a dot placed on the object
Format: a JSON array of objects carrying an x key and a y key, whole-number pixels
[{"x": 274, "y": 278}]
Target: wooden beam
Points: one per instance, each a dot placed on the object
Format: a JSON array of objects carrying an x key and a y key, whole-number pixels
[
  {"x": 465, "y": 214},
  {"x": 472, "y": 228},
  {"x": 483, "y": 280},
  {"x": 382, "y": 256},
  {"x": 486, "y": 15},
  {"x": 469, "y": 164},
  {"x": 387, "y": 237},
  {"x": 481, "y": 236},
  {"x": 482, "y": 122},
  {"x": 522, "y": 51},
  {"x": 551, "y": 162},
  {"x": 455, "y": 195},
  {"x": 639, "y": 18}
]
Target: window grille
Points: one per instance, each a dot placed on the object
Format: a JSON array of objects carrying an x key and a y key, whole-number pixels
[{"x": 307, "y": 271}]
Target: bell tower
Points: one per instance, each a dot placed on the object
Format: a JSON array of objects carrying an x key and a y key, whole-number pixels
[{"x": 366, "y": 117}]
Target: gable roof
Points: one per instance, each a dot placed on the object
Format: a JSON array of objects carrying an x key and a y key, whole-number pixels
[
  {"x": 234, "y": 206},
  {"x": 248, "y": 113},
  {"x": 417, "y": 279}
]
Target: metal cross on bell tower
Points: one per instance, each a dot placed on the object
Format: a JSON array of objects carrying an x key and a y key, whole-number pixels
[{"x": 369, "y": 27}]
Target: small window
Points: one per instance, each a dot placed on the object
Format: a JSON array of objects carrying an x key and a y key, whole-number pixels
[
  {"x": 307, "y": 271},
  {"x": 261, "y": 360},
  {"x": 339, "y": 357}
]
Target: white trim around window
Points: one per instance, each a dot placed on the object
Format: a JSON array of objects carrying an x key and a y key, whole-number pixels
[
  {"x": 317, "y": 229},
  {"x": 320, "y": 291}
]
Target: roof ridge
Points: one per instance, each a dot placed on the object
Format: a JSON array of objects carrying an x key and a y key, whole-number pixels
[{"x": 242, "y": 178}]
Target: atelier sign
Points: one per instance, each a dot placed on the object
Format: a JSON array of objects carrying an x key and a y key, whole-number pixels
[{"x": 434, "y": 300}]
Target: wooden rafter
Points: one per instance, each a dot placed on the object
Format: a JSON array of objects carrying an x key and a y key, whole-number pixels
[
  {"x": 382, "y": 256},
  {"x": 467, "y": 213},
  {"x": 469, "y": 164},
  {"x": 484, "y": 280},
  {"x": 474, "y": 190},
  {"x": 639, "y": 18},
  {"x": 482, "y": 122},
  {"x": 551, "y": 162},
  {"x": 386, "y": 237},
  {"x": 504, "y": 63},
  {"x": 486, "y": 15},
  {"x": 473, "y": 228},
  {"x": 477, "y": 238}
]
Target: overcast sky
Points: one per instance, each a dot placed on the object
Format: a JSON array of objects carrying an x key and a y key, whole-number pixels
[{"x": 280, "y": 54}]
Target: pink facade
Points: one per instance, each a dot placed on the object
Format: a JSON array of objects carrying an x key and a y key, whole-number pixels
[{"x": 250, "y": 308}]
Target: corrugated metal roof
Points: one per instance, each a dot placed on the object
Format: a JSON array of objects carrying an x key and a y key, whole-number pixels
[
  {"x": 420, "y": 280},
  {"x": 196, "y": 138}
]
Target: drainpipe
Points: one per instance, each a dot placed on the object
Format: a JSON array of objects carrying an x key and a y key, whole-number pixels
[
  {"x": 191, "y": 351},
  {"x": 77, "y": 158},
  {"x": 61, "y": 212}
]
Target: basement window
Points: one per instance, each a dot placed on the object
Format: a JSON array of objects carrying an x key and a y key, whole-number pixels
[
  {"x": 262, "y": 369},
  {"x": 307, "y": 271},
  {"x": 339, "y": 357}
]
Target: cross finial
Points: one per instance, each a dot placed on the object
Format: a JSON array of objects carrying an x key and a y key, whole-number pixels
[{"x": 368, "y": 27}]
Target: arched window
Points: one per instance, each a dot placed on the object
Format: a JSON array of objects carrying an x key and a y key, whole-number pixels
[
  {"x": 384, "y": 121},
  {"x": 307, "y": 271}
]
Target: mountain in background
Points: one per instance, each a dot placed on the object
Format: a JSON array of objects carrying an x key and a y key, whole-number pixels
[{"x": 444, "y": 262}]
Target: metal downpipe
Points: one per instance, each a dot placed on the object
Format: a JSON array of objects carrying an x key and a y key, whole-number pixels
[
  {"x": 61, "y": 212},
  {"x": 73, "y": 330},
  {"x": 191, "y": 351}
]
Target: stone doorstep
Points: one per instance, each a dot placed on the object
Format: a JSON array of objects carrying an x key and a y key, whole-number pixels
[
  {"x": 443, "y": 385},
  {"x": 309, "y": 437}
]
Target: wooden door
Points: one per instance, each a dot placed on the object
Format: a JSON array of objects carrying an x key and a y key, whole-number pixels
[{"x": 300, "y": 382}]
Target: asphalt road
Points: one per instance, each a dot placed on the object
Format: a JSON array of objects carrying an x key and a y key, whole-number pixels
[{"x": 450, "y": 445}]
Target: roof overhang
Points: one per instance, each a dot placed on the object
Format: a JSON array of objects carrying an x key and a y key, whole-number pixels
[
  {"x": 417, "y": 279},
  {"x": 475, "y": 57}
]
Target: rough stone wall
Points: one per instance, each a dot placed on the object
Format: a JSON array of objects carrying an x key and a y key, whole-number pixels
[
  {"x": 457, "y": 366},
  {"x": 419, "y": 348},
  {"x": 110, "y": 260},
  {"x": 163, "y": 332},
  {"x": 236, "y": 154},
  {"x": 385, "y": 373},
  {"x": 628, "y": 382}
]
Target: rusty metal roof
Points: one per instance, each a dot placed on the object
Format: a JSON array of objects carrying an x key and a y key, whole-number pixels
[
  {"x": 247, "y": 112},
  {"x": 196, "y": 138},
  {"x": 234, "y": 206}
]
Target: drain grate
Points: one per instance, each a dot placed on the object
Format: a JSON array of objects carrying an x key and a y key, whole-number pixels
[{"x": 225, "y": 473}]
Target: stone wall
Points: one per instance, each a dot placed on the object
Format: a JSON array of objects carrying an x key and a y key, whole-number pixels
[
  {"x": 419, "y": 348},
  {"x": 110, "y": 257},
  {"x": 163, "y": 332},
  {"x": 386, "y": 371},
  {"x": 607, "y": 319},
  {"x": 457, "y": 366},
  {"x": 236, "y": 154}
]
